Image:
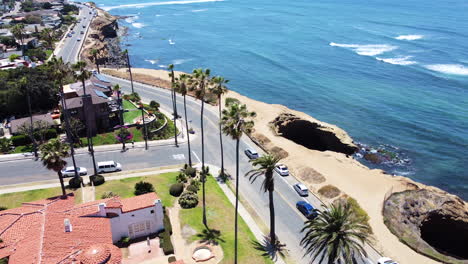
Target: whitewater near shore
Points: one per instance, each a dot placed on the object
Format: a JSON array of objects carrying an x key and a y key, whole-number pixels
[{"x": 368, "y": 186}]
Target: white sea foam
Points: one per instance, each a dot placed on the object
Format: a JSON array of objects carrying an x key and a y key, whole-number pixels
[
  {"x": 171, "y": 42},
  {"x": 107, "y": 8},
  {"x": 131, "y": 19},
  {"x": 199, "y": 10},
  {"x": 162, "y": 66},
  {"x": 152, "y": 61},
  {"x": 456, "y": 69},
  {"x": 409, "y": 37},
  {"x": 180, "y": 61},
  {"x": 366, "y": 50},
  {"x": 398, "y": 61},
  {"x": 138, "y": 25}
]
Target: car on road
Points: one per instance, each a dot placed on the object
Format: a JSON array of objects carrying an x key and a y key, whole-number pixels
[
  {"x": 301, "y": 189},
  {"x": 90, "y": 12},
  {"x": 306, "y": 209},
  {"x": 78, "y": 39},
  {"x": 73, "y": 32},
  {"x": 70, "y": 171},
  {"x": 385, "y": 260},
  {"x": 108, "y": 166},
  {"x": 69, "y": 35},
  {"x": 84, "y": 26},
  {"x": 82, "y": 32},
  {"x": 252, "y": 154},
  {"x": 282, "y": 169}
]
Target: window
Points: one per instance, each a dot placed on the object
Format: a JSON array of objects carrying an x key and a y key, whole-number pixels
[{"x": 152, "y": 211}]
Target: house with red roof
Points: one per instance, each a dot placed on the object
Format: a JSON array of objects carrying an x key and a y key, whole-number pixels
[{"x": 56, "y": 230}]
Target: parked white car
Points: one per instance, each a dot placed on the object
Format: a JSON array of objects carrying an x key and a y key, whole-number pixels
[
  {"x": 70, "y": 171},
  {"x": 385, "y": 260},
  {"x": 108, "y": 166},
  {"x": 301, "y": 189},
  {"x": 282, "y": 170}
]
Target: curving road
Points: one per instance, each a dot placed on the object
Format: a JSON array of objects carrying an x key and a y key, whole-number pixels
[{"x": 288, "y": 220}]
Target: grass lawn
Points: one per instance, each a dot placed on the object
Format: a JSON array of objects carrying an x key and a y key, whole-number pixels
[
  {"x": 220, "y": 216},
  {"x": 22, "y": 149},
  {"x": 48, "y": 53},
  {"x": 12, "y": 200},
  {"x": 130, "y": 116},
  {"x": 109, "y": 138},
  {"x": 125, "y": 187}
]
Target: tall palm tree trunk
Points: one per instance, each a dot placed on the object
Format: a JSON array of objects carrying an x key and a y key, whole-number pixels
[
  {"x": 92, "y": 156},
  {"x": 130, "y": 72},
  {"x": 237, "y": 200},
  {"x": 174, "y": 106},
  {"x": 203, "y": 158},
  {"x": 62, "y": 185},
  {"x": 97, "y": 64},
  {"x": 272, "y": 218},
  {"x": 88, "y": 131},
  {"x": 221, "y": 137},
  {"x": 67, "y": 129},
  {"x": 31, "y": 128},
  {"x": 119, "y": 101},
  {"x": 188, "y": 134}
]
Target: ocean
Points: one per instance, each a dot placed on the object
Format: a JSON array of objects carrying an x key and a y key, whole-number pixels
[{"x": 393, "y": 74}]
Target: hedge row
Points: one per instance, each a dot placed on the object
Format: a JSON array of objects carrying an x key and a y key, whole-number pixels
[
  {"x": 165, "y": 237},
  {"x": 21, "y": 140}
]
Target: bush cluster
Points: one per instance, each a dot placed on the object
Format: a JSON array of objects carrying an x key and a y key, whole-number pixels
[
  {"x": 192, "y": 188},
  {"x": 143, "y": 187},
  {"x": 75, "y": 183},
  {"x": 108, "y": 194},
  {"x": 181, "y": 178},
  {"x": 188, "y": 200},
  {"x": 189, "y": 171},
  {"x": 171, "y": 259},
  {"x": 165, "y": 237},
  {"x": 20, "y": 140},
  {"x": 176, "y": 189},
  {"x": 97, "y": 179}
]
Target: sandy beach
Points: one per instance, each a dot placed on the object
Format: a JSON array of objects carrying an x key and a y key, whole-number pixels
[{"x": 368, "y": 186}]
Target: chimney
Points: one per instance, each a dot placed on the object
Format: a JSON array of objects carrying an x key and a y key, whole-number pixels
[
  {"x": 67, "y": 224},
  {"x": 102, "y": 209}
]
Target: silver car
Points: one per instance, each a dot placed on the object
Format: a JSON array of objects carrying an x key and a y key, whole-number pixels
[
  {"x": 301, "y": 189},
  {"x": 282, "y": 170},
  {"x": 252, "y": 154},
  {"x": 70, "y": 171}
]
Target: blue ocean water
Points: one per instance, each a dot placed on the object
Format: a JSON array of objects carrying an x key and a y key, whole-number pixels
[{"x": 392, "y": 73}]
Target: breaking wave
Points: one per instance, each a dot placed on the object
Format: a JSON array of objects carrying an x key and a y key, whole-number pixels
[
  {"x": 138, "y": 25},
  {"x": 398, "y": 61},
  {"x": 366, "y": 50},
  {"x": 131, "y": 19},
  {"x": 409, "y": 37},
  {"x": 107, "y": 8},
  {"x": 456, "y": 69},
  {"x": 152, "y": 61}
]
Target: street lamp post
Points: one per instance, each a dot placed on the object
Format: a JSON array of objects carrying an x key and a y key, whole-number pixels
[{"x": 144, "y": 126}]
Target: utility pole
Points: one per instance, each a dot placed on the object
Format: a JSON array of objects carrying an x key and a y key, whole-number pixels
[
  {"x": 129, "y": 70},
  {"x": 144, "y": 126},
  {"x": 31, "y": 127}
]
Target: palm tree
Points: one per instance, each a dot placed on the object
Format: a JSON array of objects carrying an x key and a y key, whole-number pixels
[
  {"x": 199, "y": 82},
  {"x": 52, "y": 156},
  {"x": 174, "y": 100},
  {"x": 48, "y": 37},
  {"x": 125, "y": 53},
  {"x": 94, "y": 53},
  {"x": 60, "y": 71},
  {"x": 82, "y": 74},
  {"x": 266, "y": 168},
  {"x": 219, "y": 89},
  {"x": 335, "y": 234},
  {"x": 182, "y": 87},
  {"x": 117, "y": 90},
  {"x": 19, "y": 33},
  {"x": 23, "y": 84},
  {"x": 235, "y": 122}
]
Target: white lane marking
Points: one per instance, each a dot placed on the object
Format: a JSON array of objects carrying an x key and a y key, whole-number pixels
[
  {"x": 178, "y": 156},
  {"x": 196, "y": 156}
]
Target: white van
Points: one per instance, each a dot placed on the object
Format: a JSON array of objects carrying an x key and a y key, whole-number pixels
[{"x": 108, "y": 166}]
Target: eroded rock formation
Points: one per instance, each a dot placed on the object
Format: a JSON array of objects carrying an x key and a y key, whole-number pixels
[
  {"x": 432, "y": 222},
  {"x": 310, "y": 134}
]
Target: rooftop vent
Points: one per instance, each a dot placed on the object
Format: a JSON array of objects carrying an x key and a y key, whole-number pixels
[{"x": 67, "y": 224}]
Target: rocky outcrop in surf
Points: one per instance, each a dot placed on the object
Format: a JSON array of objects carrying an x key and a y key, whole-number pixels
[
  {"x": 312, "y": 135},
  {"x": 430, "y": 221}
]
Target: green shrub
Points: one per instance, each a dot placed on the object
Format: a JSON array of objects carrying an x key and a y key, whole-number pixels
[
  {"x": 195, "y": 183},
  {"x": 181, "y": 177},
  {"x": 188, "y": 200},
  {"x": 108, "y": 194},
  {"x": 143, "y": 187},
  {"x": 176, "y": 189},
  {"x": 124, "y": 242},
  {"x": 154, "y": 105},
  {"x": 229, "y": 101},
  {"x": 192, "y": 188},
  {"x": 3, "y": 208},
  {"x": 51, "y": 133},
  {"x": 20, "y": 140},
  {"x": 171, "y": 259},
  {"x": 189, "y": 171},
  {"x": 167, "y": 223},
  {"x": 329, "y": 191},
  {"x": 75, "y": 183},
  {"x": 5, "y": 145},
  {"x": 97, "y": 180},
  {"x": 166, "y": 243}
]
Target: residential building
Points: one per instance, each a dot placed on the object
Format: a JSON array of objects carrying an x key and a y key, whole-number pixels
[
  {"x": 101, "y": 109},
  {"x": 17, "y": 123},
  {"x": 28, "y": 42},
  {"x": 56, "y": 230}
]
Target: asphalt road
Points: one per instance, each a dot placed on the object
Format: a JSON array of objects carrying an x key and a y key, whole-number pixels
[
  {"x": 70, "y": 47},
  {"x": 288, "y": 220}
]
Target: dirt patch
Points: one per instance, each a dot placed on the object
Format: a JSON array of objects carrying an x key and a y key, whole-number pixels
[
  {"x": 329, "y": 191},
  {"x": 310, "y": 175}
]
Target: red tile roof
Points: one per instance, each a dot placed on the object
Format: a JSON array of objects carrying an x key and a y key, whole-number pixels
[
  {"x": 35, "y": 232},
  {"x": 178, "y": 262}
]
